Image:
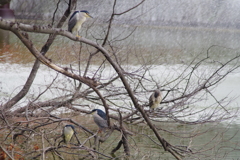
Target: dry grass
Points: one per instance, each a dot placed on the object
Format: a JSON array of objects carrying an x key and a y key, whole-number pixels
[
  {"x": 76, "y": 53},
  {"x": 33, "y": 141}
]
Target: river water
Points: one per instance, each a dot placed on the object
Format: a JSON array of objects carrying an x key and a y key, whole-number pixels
[{"x": 173, "y": 47}]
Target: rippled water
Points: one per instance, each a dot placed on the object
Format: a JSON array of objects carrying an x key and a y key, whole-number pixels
[
  {"x": 170, "y": 48},
  {"x": 13, "y": 76}
]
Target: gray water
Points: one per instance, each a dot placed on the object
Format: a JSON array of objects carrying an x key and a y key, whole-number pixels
[{"x": 173, "y": 46}]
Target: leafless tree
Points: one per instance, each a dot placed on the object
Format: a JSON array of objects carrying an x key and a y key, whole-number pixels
[{"x": 101, "y": 74}]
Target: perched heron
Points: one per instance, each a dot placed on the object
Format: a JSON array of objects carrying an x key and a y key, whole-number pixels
[
  {"x": 155, "y": 99},
  {"x": 68, "y": 132},
  {"x": 76, "y": 20},
  {"x": 100, "y": 118}
]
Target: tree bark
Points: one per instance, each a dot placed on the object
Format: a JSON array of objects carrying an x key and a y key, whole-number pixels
[{"x": 31, "y": 77}]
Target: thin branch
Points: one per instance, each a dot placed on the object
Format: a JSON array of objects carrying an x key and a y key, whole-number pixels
[
  {"x": 118, "y": 14},
  {"x": 36, "y": 65}
]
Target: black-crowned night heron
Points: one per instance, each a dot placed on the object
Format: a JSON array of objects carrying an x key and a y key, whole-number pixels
[
  {"x": 76, "y": 20},
  {"x": 155, "y": 99},
  {"x": 68, "y": 132},
  {"x": 100, "y": 118}
]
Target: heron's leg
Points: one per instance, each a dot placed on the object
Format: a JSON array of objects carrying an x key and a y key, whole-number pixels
[
  {"x": 78, "y": 35},
  {"x": 151, "y": 110},
  {"x": 68, "y": 145},
  {"x": 99, "y": 131}
]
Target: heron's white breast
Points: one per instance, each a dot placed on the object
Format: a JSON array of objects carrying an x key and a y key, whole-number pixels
[
  {"x": 79, "y": 23},
  {"x": 68, "y": 131}
]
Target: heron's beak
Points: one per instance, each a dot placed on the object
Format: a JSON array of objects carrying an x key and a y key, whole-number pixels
[
  {"x": 89, "y": 112},
  {"x": 89, "y": 16}
]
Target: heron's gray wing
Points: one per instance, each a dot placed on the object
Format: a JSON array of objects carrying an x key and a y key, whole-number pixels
[
  {"x": 102, "y": 123},
  {"x": 63, "y": 136},
  {"x": 151, "y": 100},
  {"x": 71, "y": 23}
]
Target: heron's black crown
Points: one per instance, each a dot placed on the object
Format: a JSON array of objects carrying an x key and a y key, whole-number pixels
[
  {"x": 85, "y": 11},
  {"x": 100, "y": 113},
  {"x": 156, "y": 94},
  {"x": 69, "y": 125}
]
